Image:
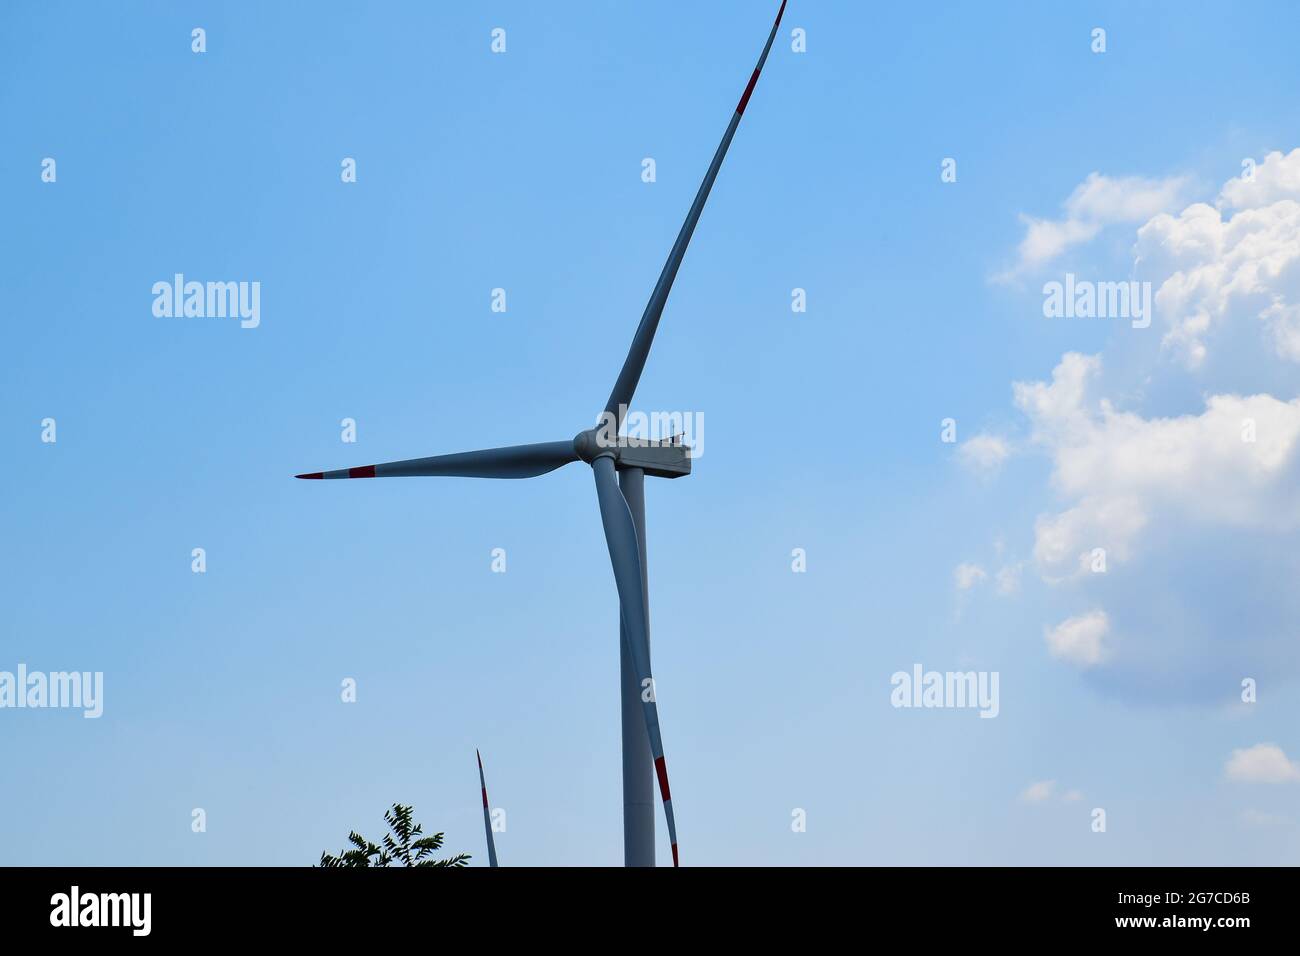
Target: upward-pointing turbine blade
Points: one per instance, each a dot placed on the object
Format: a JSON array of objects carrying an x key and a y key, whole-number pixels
[
  {"x": 487, "y": 815},
  {"x": 516, "y": 461},
  {"x": 633, "y": 365},
  {"x": 625, "y": 556}
]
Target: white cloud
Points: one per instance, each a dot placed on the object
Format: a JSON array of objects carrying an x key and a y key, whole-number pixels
[
  {"x": 1059, "y": 407},
  {"x": 1038, "y": 792},
  {"x": 1045, "y": 239},
  {"x": 1262, "y": 763},
  {"x": 1080, "y": 640},
  {"x": 1215, "y": 271},
  {"x": 1119, "y": 470},
  {"x": 1097, "y": 202},
  {"x": 1124, "y": 199},
  {"x": 1196, "y": 497},
  {"x": 1063, "y": 542},
  {"x": 1044, "y": 790},
  {"x": 966, "y": 576},
  {"x": 1277, "y": 177},
  {"x": 1008, "y": 579},
  {"x": 984, "y": 453}
]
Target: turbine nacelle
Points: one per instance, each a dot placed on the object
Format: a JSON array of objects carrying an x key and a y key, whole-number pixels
[{"x": 662, "y": 459}]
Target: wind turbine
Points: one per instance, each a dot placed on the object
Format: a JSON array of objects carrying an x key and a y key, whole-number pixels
[{"x": 619, "y": 466}]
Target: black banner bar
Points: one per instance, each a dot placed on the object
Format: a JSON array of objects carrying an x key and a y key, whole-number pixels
[{"x": 341, "y": 906}]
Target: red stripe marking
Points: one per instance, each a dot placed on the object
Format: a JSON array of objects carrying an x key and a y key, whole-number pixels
[
  {"x": 365, "y": 471},
  {"x": 744, "y": 100},
  {"x": 662, "y": 770},
  {"x": 748, "y": 90},
  {"x": 314, "y": 474},
  {"x": 675, "y": 854},
  {"x": 485, "y": 795}
]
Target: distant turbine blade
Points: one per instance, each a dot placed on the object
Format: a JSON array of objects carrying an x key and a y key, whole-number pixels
[
  {"x": 516, "y": 461},
  {"x": 634, "y": 364},
  {"x": 625, "y": 556},
  {"x": 487, "y": 815}
]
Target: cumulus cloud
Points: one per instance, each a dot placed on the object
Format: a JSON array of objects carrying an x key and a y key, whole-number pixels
[
  {"x": 1277, "y": 177},
  {"x": 1080, "y": 640},
  {"x": 1215, "y": 269},
  {"x": 1233, "y": 465},
  {"x": 966, "y": 576},
  {"x": 1262, "y": 763},
  {"x": 1185, "y": 473},
  {"x": 1097, "y": 202},
  {"x": 984, "y": 453}
]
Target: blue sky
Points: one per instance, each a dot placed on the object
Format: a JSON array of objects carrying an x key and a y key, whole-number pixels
[{"x": 522, "y": 171}]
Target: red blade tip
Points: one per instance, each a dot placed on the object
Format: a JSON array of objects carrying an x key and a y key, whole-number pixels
[{"x": 661, "y": 769}]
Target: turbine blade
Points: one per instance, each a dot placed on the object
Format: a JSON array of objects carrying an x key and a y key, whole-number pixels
[
  {"x": 633, "y": 365},
  {"x": 516, "y": 461},
  {"x": 487, "y": 814},
  {"x": 625, "y": 556}
]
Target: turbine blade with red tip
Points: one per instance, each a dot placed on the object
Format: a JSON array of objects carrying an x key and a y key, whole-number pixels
[
  {"x": 487, "y": 814},
  {"x": 625, "y": 556},
  {"x": 634, "y": 364},
  {"x": 515, "y": 461}
]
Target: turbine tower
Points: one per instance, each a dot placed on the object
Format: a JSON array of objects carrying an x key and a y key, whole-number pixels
[{"x": 619, "y": 466}]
